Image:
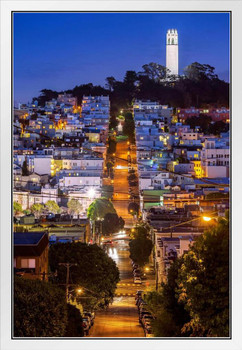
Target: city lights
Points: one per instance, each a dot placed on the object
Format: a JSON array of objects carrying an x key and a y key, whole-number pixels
[
  {"x": 91, "y": 192},
  {"x": 207, "y": 218}
]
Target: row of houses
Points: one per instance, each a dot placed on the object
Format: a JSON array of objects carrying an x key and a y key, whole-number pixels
[
  {"x": 183, "y": 176},
  {"x": 64, "y": 153}
]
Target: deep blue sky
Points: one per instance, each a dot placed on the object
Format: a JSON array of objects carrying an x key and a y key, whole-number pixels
[{"x": 60, "y": 50}]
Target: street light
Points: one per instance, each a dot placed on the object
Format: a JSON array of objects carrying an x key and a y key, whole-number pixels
[
  {"x": 91, "y": 192},
  {"x": 207, "y": 218}
]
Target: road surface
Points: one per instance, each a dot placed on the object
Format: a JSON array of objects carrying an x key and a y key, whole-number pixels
[
  {"x": 121, "y": 318},
  {"x": 121, "y": 197}
]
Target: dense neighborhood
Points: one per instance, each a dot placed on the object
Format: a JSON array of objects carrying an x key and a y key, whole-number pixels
[{"x": 145, "y": 182}]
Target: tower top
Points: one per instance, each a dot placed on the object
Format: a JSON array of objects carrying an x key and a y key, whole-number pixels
[
  {"x": 172, "y": 37},
  {"x": 171, "y": 31}
]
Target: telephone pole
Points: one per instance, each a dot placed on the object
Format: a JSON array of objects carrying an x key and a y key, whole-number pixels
[{"x": 68, "y": 266}]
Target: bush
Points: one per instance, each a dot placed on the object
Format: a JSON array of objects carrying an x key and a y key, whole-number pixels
[{"x": 40, "y": 309}]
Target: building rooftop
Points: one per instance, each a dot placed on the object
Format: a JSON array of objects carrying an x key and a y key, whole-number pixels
[
  {"x": 30, "y": 243},
  {"x": 27, "y": 238}
]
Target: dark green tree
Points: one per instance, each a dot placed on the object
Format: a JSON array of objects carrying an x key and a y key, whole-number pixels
[
  {"x": 133, "y": 208},
  {"x": 110, "y": 83},
  {"x": 197, "y": 72},
  {"x": 40, "y": 309},
  {"x": 204, "y": 282},
  {"x": 74, "y": 325},
  {"x": 155, "y": 71},
  {"x": 25, "y": 170},
  {"x": 112, "y": 223},
  {"x": 95, "y": 270},
  {"x": 140, "y": 250},
  {"x": 107, "y": 191},
  {"x": 99, "y": 208}
]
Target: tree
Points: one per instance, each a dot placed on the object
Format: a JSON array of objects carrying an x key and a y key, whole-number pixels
[
  {"x": 37, "y": 209},
  {"x": 141, "y": 230},
  {"x": 109, "y": 165},
  {"x": 25, "y": 170},
  {"x": 99, "y": 208},
  {"x": 164, "y": 324},
  {"x": 111, "y": 145},
  {"x": 129, "y": 127},
  {"x": 203, "y": 121},
  {"x": 132, "y": 177},
  {"x": 204, "y": 282},
  {"x": 197, "y": 71},
  {"x": 74, "y": 207},
  {"x": 52, "y": 206},
  {"x": 112, "y": 223},
  {"x": 74, "y": 326},
  {"x": 155, "y": 71},
  {"x": 17, "y": 208},
  {"x": 40, "y": 309},
  {"x": 140, "y": 250},
  {"x": 95, "y": 270},
  {"x": 110, "y": 83},
  {"x": 107, "y": 191},
  {"x": 133, "y": 208},
  {"x": 217, "y": 127}
]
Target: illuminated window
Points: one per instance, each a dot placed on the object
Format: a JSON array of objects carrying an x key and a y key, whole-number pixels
[{"x": 28, "y": 263}]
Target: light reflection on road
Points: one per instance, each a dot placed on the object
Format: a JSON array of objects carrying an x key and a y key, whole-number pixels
[{"x": 113, "y": 253}]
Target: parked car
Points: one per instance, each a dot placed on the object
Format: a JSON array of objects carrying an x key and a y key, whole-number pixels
[
  {"x": 138, "y": 294},
  {"x": 137, "y": 280},
  {"x": 85, "y": 325},
  {"x": 149, "y": 333},
  {"x": 91, "y": 315},
  {"x": 139, "y": 301},
  {"x": 143, "y": 313},
  {"x": 146, "y": 317}
]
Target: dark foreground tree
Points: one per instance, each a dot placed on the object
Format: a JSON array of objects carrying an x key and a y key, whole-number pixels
[
  {"x": 204, "y": 282},
  {"x": 95, "y": 270},
  {"x": 74, "y": 326},
  {"x": 40, "y": 309}
]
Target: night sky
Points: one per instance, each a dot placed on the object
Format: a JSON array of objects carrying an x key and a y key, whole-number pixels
[{"x": 61, "y": 50}]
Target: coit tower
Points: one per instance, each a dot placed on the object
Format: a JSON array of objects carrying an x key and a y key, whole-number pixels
[{"x": 172, "y": 51}]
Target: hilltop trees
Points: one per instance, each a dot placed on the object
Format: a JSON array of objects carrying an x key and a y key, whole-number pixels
[{"x": 198, "y": 86}]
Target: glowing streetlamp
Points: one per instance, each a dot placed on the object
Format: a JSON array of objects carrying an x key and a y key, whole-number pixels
[
  {"x": 91, "y": 192},
  {"x": 207, "y": 218},
  {"x": 79, "y": 290}
]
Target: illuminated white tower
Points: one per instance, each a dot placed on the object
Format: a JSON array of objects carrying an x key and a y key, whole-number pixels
[{"x": 172, "y": 51}]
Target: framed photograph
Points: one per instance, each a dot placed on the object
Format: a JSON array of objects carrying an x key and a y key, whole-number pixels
[{"x": 119, "y": 174}]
